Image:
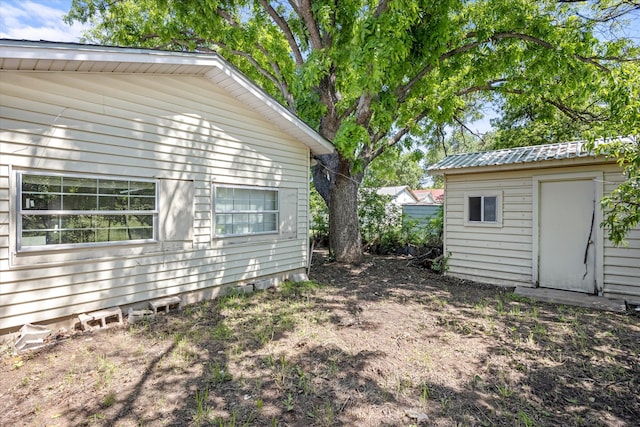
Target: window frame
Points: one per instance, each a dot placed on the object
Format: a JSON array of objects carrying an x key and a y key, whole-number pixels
[
  {"x": 21, "y": 212},
  {"x": 214, "y": 192},
  {"x": 482, "y": 196}
]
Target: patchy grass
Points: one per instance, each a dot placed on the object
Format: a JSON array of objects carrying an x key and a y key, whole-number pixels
[{"x": 383, "y": 343}]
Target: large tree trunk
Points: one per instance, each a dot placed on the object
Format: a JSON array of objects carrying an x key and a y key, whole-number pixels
[
  {"x": 344, "y": 228},
  {"x": 333, "y": 180}
]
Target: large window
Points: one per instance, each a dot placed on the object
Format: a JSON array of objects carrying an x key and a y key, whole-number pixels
[
  {"x": 80, "y": 210},
  {"x": 483, "y": 209},
  {"x": 243, "y": 211}
]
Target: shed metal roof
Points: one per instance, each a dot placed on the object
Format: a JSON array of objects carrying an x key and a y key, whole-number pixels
[
  {"x": 74, "y": 57},
  {"x": 512, "y": 156}
]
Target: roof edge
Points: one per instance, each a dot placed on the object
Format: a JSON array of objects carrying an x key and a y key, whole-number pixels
[
  {"x": 66, "y": 51},
  {"x": 520, "y": 157}
]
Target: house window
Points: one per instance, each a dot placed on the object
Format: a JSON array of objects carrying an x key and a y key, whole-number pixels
[
  {"x": 67, "y": 210},
  {"x": 243, "y": 211},
  {"x": 482, "y": 209}
]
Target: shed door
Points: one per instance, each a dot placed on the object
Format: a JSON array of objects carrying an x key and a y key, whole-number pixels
[{"x": 566, "y": 219}]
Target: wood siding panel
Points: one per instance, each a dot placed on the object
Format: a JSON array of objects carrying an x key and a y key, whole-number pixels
[
  {"x": 621, "y": 263},
  {"x": 165, "y": 127},
  {"x": 499, "y": 255}
]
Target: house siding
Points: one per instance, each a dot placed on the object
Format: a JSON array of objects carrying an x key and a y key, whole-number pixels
[
  {"x": 181, "y": 130},
  {"x": 421, "y": 212},
  {"x": 499, "y": 255},
  {"x": 503, "y": 255},
  {"x": 621, "y": 263}
]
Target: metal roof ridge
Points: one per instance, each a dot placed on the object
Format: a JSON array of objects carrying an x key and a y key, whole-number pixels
[{"x": 520, "y": 155}]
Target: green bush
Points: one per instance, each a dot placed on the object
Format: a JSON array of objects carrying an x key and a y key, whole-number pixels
[
  {"x": 383, "y": 227},
  {"x": 319, "y": 215}
]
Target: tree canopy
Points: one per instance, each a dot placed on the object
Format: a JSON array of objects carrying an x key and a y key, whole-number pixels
[
  {"x": 371, "y": 75},
  {"x": 395, "y": 168}
]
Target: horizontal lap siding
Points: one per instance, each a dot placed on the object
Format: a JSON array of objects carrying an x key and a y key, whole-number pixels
[
  {"x": 137, "y": 282},
  {"x": 621, "y": 263},
  {"x": 504, "y": 255},
  {"x": 167, "y": 127},
  {"x": 497, "y": 255},
  {"x": 4, "y": 216}
]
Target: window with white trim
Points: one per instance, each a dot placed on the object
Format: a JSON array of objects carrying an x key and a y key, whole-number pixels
[
  {"x": 241, "y": 211},
  {"x": 59, "y": 210},
  {"x": 483, "y": 209}
]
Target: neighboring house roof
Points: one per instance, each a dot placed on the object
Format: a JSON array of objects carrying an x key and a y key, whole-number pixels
[
  {"x": 72, "y": 57},
  {"x": 430, "y": 196},
  {"x": 396, "y": 191},
  {"x": 513, "y": 156}
]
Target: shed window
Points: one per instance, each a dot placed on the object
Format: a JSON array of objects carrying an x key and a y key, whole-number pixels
[
  {"x": 243, "y": 211},
  {"x": 64, "y": 210},
  {"x": 483, "y": 209}
]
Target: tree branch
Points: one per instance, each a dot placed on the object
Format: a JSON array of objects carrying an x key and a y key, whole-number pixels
[
  {"x": 395, "y": 138},
  {"x": 381, "y": 8},
  {"x": 284, "y": 26},
  {"x": 304, "y": 11},
  {"x": 581, "y": 115},
  {"x": 545, "y": 44},
  {"x": 403, "y": 91},
  {"x": 278, "y": 79},
  {"x": 281, "y": 85},
  {"x": 608, "y": 14},
  {"x": 465, "y": 127}
]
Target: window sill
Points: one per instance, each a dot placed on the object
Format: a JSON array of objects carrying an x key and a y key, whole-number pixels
[
  {"x": 83, "y": 246},
  {"x": 47, "y": 257},
  {"x": 483, "y": 224}
]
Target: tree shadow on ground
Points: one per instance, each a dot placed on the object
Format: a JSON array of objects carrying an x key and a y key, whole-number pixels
[
  {"x": 535, "y": 363},
  {"x": 222, "y": 362},
  {"x": 381, "y": 344}
]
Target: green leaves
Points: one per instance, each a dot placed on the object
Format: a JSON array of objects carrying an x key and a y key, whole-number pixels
[
  {"x": 422, "y": 62},
  {"x": 622, "y": 205},
  {"x": 351, "y": 138},
  {"x": 370, "y": 75}
]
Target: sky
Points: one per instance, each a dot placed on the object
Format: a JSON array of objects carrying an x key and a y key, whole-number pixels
[
  {"x": 42, "y": 20},
  {"x": 37, "y": 20}
]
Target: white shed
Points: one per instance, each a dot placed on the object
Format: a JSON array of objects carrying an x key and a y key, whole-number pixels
[
  {"x": 128, "y": 175},
  {"x": 530, "y": 217}
]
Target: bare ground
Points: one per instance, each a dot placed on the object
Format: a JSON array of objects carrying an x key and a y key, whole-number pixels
[{"x": 382, "y": 344}]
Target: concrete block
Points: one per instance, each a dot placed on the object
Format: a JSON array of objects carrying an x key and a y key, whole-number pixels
[
  {"x": 84, "y": 321},
  {"x": 243, "y": 289},
  {"x": 31, "y": 337},
  {"x": 261, "y": 285},
  {"x": 101, "y": 318},
  {"x": 298, "y": 277},
  {"x": 134, "y": 316},
  {"x": 165, "y": 304}
]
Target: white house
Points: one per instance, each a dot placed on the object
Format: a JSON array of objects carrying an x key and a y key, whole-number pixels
[
  {"x": 128, "y": 175},
  {"x": 530, "y": 217},
  {"x": 400, "y": 194},
  {"x": 431, "y": 196}
]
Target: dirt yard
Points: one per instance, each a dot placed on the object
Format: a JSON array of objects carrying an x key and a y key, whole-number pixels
[{"x": 382, "y": 344}]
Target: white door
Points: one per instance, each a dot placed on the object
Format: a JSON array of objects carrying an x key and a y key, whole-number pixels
[{"x": 566, "y": 249}]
